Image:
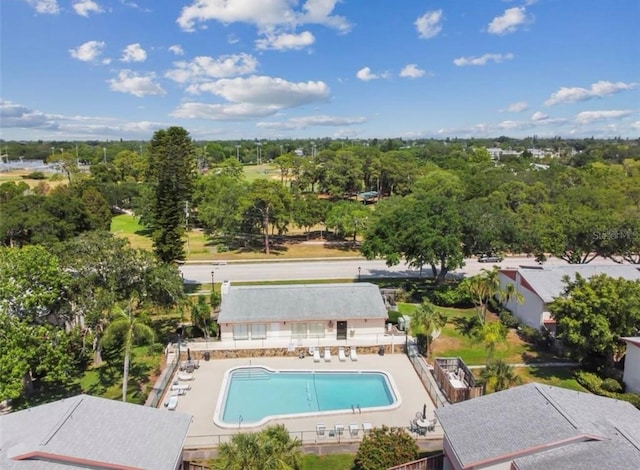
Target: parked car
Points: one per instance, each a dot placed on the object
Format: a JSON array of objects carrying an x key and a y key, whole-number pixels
[
  {"x": 172, "y": 403},
  {"x": 490, "y": 259}
]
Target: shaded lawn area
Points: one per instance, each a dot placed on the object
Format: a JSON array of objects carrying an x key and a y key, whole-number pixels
[
  {"x": 328, "y": 462},
  {"x": 452, "y": 341},
  {"x": 558, "y": 376},
  {"x": 199, "y": 247}
]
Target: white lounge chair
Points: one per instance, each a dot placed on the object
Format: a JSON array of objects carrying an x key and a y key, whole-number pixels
[
  {"x": 366, "y": 428},
  {"x": 353, "y": 354},
  {"x": 339, "y": 429},
  {"x": 185, "y": 376},
  {"x": 341, "y": 355},
  {"x": 181, "y": 387},
  {"x": 172, "y": 404},
  {"x": 320, "y": 430},
  {"x": 327, "y": 354},
  {"x": 354, "y": 430},
  {"x": 316, "y": 355}
]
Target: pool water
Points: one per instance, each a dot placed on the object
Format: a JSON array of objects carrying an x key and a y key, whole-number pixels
[{"x": 255, "y": 393}]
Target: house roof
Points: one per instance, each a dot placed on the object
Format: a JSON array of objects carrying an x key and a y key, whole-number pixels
[
  {"x": 635, "y": 340},
  {"x": 525, "y": 423},
  {"x": 546, "y": 281},
  {"x": 90, "y": 432},
  {"x": 301, "y": 303}
]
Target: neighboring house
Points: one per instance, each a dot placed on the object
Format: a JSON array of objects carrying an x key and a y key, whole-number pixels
[
  {"x": 496, "y": 152},
  {"x": 297, "y": 312},
  {"x": 537, "y": 426},
  {"x": 540, "y": 285},
  {"x": 90, "y": 432},
  {"x": 631, "y": 377}
]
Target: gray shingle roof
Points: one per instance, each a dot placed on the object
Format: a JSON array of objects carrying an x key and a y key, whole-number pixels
[
  {"x": 547, "y": 281},
  {"x": 85, "y": 428},
  {"x": 302, "y": 302},
  {"x": 503, "y": 424}
]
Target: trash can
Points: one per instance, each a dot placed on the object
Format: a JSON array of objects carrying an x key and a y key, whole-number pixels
[
  {"x": 207, "y": 355},
  {"x": 381, "y": 351}
]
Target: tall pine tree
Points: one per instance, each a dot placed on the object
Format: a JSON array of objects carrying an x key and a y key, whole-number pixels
[{"x": 172, "y": 171}]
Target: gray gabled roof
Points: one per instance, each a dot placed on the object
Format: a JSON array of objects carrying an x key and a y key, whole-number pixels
[
  {"x": 90, "y": 432},
  {"x": 526, "y": 422},
  {"x": 547, "y": 281},
  {"x": 301, "y": 302}
]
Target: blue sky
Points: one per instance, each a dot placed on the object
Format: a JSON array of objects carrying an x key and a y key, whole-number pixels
[{"x": 266, "y": 69}]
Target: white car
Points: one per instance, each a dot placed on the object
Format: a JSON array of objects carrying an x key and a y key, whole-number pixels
[{"x": 489, "y": 259}]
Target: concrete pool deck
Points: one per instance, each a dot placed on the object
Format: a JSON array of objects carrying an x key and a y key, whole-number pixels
[{"x": 200, "y": 401}]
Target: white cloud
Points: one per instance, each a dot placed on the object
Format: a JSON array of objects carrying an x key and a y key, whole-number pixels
[
  {"x": 266, "y": 15},
  {"x": 134, "y": 53},
  {"x": 411, "y": 71},
  {"x": 176, "y": 49},
  {"x": 586, "y": 117},
  {"x": 483, "y": 59},
  {"x": 428, "y": 25},
  {"x": 137, "y": 84},
  {"x": 538, "y": 116},
  {"x": 509, "y": 22},
  {"x": 84, "y": 7},
  {"x": 365, "y": 74},
  {"x": 310, "y": 121},
  {"x": 15, "y": 115},
  {"x": 264, "y": 90},
  {"x": 516, "y": 107},
  {"x": 597, "y": 90},
  {"x": 232, "y": 39},
  {"x": 89, "y": 51},
  {"x": 47, "y": 7},
  {"x": 255, "y": 96},
  {"x": 636, "y": 125},
  {"x": 285, "y": 41},
  {"x": 204, "y": 68}
]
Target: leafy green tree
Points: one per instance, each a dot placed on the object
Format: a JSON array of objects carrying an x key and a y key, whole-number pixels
[
  {"x": 482, "y": 288},
  {"x": 269, "y": 204},
  {"x": 33, "y": 285},
  {"x": 11, "y": 189},
  {"x": 201, "y": 316},
  {"x": 270, "y": 449},
  {"x": 309, "y": 210},
  {"x": 498, "y": 376},
  {"x": 384, "y": 448},
  {"x": 592, "y": 315},
  {"x": 171, "y": 172},
  {"x": 130, "y": 166},
  {"x": 127, "y": 329},
  {"x": 32, "y": 353},
  {"x": 221, "y": 200},
  {"x": 427, "y": 320},
  {"x": 491, "y": 335},
  {"x": 348, "y": 219}
]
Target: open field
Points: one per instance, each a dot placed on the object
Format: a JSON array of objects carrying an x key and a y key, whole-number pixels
[
  {"x": 198, "y": 248},
  {"x": 52, "y": 179}
]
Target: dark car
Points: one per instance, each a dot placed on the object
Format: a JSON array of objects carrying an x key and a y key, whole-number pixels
[{"x": 489, "y": 259}]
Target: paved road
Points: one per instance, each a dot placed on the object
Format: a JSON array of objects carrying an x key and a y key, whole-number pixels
[{"x": 324, "y": 269}]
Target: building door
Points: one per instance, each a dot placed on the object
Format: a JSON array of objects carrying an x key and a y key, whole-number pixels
[{"x": 341, "y": 330}]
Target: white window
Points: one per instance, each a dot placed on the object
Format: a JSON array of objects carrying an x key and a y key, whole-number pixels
[
  {"x": 258, "y": 331},
  {"x": 316, "y": 330},
  {"x": 240, "y": 332},
  {"x": 299, "y": 330}
]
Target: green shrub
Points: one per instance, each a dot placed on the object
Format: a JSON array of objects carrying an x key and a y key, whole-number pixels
[
  {"x": 590, "y": 381},
  {"x": 394, "y": 316},
  {"x": 611, "y": 385},
  {"x": 509, "y": 320},
  {"x": 36, "y": 175},
  {"x": 450, "y": 295}
]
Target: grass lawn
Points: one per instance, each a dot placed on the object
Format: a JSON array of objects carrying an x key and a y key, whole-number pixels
[
  {"x": 197, "y": 247},
  {"x": 452, "y": 342},
  {"x": 328, "y": 462},
  {"x": 557, "y": 376}
]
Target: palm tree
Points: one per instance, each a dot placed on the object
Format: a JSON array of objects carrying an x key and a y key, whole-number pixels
[
  {"x": 491, "y": 334},
  {"x": 500, "y": 375},
  {"x": 485, "y": 286},
  {"x": 127, "y": 328},
  {"x": 427, "y": 320},
  {"x": 270, "y": 449},
  {"x": 510, "y": 292}
]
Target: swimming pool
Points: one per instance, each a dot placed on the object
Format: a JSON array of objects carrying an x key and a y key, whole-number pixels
[{"x": 251, "y": 396}]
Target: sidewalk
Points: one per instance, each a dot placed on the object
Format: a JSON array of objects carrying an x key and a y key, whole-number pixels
[{"x": 535, "y": 364}]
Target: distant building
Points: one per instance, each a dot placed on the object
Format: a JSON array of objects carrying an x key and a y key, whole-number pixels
[
  {"x": 496, "y": 153},
  {"x": 537, "y": 426},
  {"x": 93, "y": 433},
  {"x": 631, "y": 377},
  {"x": 540, "y": 285},
  {"x": 293, "y": 313}
]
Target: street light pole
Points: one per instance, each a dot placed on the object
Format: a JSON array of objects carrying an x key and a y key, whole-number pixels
[
  {"x": 359, "y": 268},
  {"x": 213, "y": 278},
  {"x": 104, "y": 153},
  {"x": 238, "y": 152}
]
